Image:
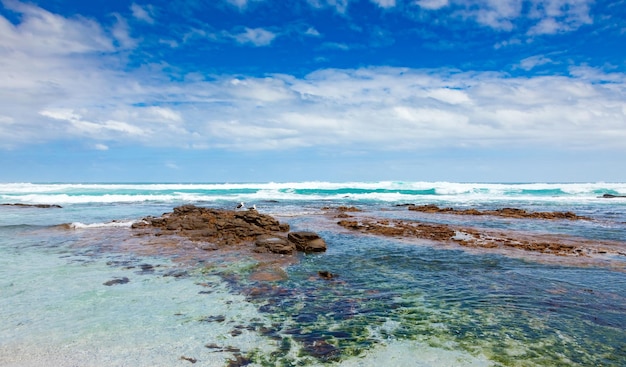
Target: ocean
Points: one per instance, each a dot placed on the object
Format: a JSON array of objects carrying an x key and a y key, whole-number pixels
[{"x": 394, "y": 302}]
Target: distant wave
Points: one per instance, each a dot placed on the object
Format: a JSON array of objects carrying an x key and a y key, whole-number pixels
[{"x": 386, "y": 191}]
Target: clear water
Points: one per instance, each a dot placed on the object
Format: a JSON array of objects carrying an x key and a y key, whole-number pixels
[{"x": 392, "y": 303}]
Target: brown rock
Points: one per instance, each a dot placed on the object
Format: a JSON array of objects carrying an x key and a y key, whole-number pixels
[
  {"x": 504, "y": 212},
  {"x": 220, "y": 227},
  {"x": 307, "y": 241},
  {"x": 274, "y": 244}
]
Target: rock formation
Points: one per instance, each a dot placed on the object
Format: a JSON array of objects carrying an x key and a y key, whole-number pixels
[
  {"x": 45, "y": 206},
  {"x": 504, "y": 212},
  {"x": 217, "y": 228}
]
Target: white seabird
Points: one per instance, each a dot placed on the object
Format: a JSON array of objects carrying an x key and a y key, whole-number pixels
[
  {"x": 240, "y": 205},
  {"x": 253, "y": 207}
]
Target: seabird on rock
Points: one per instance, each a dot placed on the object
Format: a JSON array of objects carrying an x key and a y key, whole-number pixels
[
  {"x": 240, "y": 205},
  {"x": 253, "y": 207}
]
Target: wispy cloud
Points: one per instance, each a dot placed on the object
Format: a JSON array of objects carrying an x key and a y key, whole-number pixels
[
  {"x": 535, "y": 17},
  {"x": 385, "y": 3},
  {"x": 255, "y": 36},
  {"x": 143, "y": 13},
  {"x": 532, "y": 62},
  {"x": 43, "y": 33},
  {"x": 432, "y": 4},
  {"x": 339, "y": 5},
  {"x": 121, "y": 32}
]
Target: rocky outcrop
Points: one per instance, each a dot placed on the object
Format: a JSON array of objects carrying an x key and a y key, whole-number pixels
[
  {"x": 611, "y": 196},
  {"x": 218, "y": 228},
  {"x": 384, "y": 227},
  {"x": 274, "y": 244},
  {"x": 307, "y": 241},
  {"x": 504, "y": 212},
  {"x": 45, "y": 206},
  {"x": 481, "y": 238}
]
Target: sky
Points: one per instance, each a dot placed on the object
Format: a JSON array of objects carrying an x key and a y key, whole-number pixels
[{"x": 322, "y": 90}]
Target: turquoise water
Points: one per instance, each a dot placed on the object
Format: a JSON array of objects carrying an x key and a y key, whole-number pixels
[{"x": 392, "y": 303}]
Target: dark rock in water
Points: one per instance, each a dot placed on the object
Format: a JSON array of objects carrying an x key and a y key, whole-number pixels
[
  {"x": 218, "y": 318},
  {"x": 326, "y": 274},
  {"x": 146, "y": 269},
  {"x": 307, "y": 241},
  {"x": 176, "y": 273},
  {"x": 321, "y": 350},
  {"x": 115, "y": 281},
  {"x": 189, "y": 359},
  {"x": 274, "y": 244},
  {"x": 239, "y": 361},
  {"x": 33, "y": 205},
  {"x": 611, "y": 196}
]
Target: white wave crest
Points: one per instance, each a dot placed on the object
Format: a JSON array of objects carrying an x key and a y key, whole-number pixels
[{"x": 79, "y": 225}]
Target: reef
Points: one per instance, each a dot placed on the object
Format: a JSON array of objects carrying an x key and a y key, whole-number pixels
[
  {"x": 477, "y": 238},
  {"x": 504, "y": 212}
]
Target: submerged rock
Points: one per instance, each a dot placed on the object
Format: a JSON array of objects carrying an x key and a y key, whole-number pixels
[{"x": 116, "y": 281}]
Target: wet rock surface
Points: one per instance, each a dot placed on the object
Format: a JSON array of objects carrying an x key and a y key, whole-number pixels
[
  {"x": 219, "y": 228},
  {"x": 483, "y": 238},
  {"x": 611, "y": 196},
  {"x": 307, "y": 241},
  {"x": 504, "y": 212},
  {"x": 44, "y": 206}
]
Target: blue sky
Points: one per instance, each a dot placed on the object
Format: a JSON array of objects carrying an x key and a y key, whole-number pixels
[{"x": 329, "y": 90}]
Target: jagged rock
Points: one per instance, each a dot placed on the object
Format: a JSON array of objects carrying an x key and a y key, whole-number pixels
[
  {"x": 215, "y": 228},
  {"x": 307, "y": 241},
  {"x": 274, "y": 244}
]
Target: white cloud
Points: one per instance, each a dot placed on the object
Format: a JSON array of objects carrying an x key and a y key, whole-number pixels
[
  {"x": 102, "y": 147},
  {"x": 43, "y": 33},
  {"x": 241, "y": 4},
  {"x": 255, "y": 36},
  {"x": 532, "y": 62},
  {"x": 312, "y": 32},
  {"x": 545, "y": 16},
  {"x": 339, "y": 5},
  {"x": 432, "y": 4},
  {"x": 121, "y": 32},
  {"x": 385, "y": 3},
  {"x": 143, "y": 13},
  {"x": 80, "y": 126}
]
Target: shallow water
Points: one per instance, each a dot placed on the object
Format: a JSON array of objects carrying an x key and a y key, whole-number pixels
[{"x": 391, "y": 302}]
